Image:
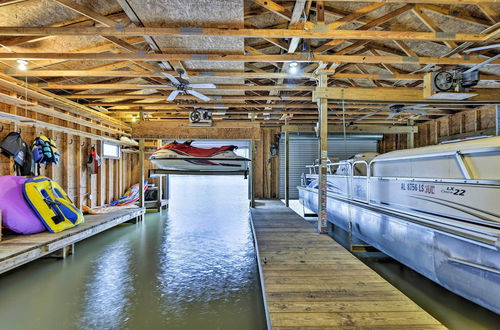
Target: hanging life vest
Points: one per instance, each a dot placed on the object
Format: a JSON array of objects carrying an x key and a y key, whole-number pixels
[
  {"x": 94, "y": 161},
  {"x": 45, "y": 151},
  {"x": 13, "y": 146}
]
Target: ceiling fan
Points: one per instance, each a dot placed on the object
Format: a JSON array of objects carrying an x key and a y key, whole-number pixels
[
  {"x": 396, "y": 110},
  {"x": 182, "y": 86}
]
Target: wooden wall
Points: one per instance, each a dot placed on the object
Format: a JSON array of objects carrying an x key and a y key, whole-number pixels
[
  {"x": 113, "y": 179},
  {"x": 480, "y": 121},
  {"x": 266, "y": 168}
]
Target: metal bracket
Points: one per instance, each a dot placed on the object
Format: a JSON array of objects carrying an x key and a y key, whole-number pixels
[{"x": 464, "y": 168}]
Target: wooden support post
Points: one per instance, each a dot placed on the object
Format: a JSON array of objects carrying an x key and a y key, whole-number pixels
[
  {"x": 63, "y": 253},
  {"x": 410, "y": 137},
  {"x": 251, "y": 182},
  {"x": 166, "y": 188},
  {"x": 323, "y": 155},
  {"x": 498, "y": 120},
  {"x": 141, "y": 172},
  {"x": 78, "y": 171},
  {"x": 287, "y": 164},
  {"x": 159, "y": 193}
]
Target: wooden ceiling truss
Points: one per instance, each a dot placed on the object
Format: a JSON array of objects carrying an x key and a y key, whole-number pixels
[{"x": 371, "y": 53}]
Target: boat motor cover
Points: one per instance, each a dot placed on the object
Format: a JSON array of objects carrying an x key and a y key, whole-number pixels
[
  {"x": 187, "y": 149},
  {"x": 51, "y": 203},
  {"x": 17, "y": 215}
]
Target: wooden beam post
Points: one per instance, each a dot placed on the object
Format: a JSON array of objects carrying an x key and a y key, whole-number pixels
[
  {"x": 410, "y": 137},
  {"x": 141, "y": 172},
  {"x": 498, "y": 120},
  {"x": 323, "y": 156},
  {"x": 251, "y": 182},
  {"x": 287, "y": 164}
]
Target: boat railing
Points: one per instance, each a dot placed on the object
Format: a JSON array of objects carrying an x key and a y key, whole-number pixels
[
  {"x": 329, "y": 166},
  {"x": 359, "y": 183},
  {"x": 465, "y": 166}
]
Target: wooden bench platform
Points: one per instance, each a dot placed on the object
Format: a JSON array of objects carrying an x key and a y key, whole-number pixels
[
  {"x": 20, "y": 249},
  {"x": 310, "y": 281}
]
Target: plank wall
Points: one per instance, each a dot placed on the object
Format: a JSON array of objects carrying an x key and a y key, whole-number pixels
[
  {"x": 480, "y": 121},
  {"x": 71, "y": 173},
  {"x": 266, "y": 168}
]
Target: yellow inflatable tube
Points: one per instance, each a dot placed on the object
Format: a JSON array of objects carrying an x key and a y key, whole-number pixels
[{"x": 51, "y": 203}]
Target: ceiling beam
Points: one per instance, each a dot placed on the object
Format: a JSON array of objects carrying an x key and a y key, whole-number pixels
[
  {"x": 449, "y": 2},
  {"x": 188, "y": 97},
  {"x": 9, "y": 2},
  {"x": 316, "y": 32},
  {"x": 366, "y": 129},
  {"x": 276, "y": 8},
  {"x": 407, "y": 95},
  {"x": 181, "y": 129},
  {"x": 247, "y": 58},
  {"x": 221, "y": 74},
  {"x": 140, "y": 74},
  {"x": 290, "y": 87}
]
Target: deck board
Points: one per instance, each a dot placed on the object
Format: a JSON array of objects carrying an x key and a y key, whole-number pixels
[
  {"x": 312, "y": 282},
  {"x": 20, "y": 249}
]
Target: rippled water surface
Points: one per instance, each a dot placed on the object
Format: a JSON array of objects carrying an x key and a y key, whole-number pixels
[{"x": 192, "y": 267}]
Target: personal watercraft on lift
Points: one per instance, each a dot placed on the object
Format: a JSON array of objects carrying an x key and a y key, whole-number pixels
[{"x": 185, "y": 157}]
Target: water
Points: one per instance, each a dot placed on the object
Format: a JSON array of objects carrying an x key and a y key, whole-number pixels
[{"x": 192, "y": 267}]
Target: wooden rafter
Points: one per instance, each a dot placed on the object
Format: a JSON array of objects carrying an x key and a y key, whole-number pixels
[
  {"x": 317, "y": 32},
  {"x": 247, "y": 58},
  {"x": 101, "y": 72}
]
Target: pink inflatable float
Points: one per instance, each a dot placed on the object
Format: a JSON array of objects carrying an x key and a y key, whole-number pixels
[{"x": 17, "y": 215}]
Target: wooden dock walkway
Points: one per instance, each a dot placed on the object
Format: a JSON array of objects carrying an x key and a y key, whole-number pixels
[
  {"x": 20, "y": 249},
  {"x": 312, "y": 282}
]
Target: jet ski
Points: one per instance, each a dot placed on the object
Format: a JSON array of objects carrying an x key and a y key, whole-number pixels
[{"x": 185, "y": 157}]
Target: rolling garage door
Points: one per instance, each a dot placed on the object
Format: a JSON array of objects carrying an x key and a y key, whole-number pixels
[{"x": 304, "y": 151}]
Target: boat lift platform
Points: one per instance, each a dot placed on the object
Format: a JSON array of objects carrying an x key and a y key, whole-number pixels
[{"x": 310, "y": 281}]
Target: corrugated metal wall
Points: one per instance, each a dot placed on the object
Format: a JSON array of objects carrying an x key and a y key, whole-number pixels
[{"x": 304, "y": 151}]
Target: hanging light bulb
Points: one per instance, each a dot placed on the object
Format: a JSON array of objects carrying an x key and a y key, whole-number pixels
[
  {"x": 22, "y": 65},
  {"x": 293, "y": 68},
  {"x": 134, "y": 118}
]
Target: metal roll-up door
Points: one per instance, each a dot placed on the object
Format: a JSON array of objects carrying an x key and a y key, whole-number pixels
[{"x": 304, "y": 151}]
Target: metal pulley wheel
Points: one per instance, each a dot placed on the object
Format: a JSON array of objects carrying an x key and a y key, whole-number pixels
[{"x": 195, "y": 116}]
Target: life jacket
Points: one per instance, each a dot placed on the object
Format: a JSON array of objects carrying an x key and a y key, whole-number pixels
[
  {"x": 13, "y": 146},
  {"x": 45, "y": 151},
  {"x": 51, "y": 204},
  {"x": 93, "y": 162}
]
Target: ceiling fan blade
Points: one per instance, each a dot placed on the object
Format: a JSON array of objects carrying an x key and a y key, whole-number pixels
[
  {"x": 171, "y": 78},
  {"x": 202, "y": 86},
  {"x": 365, "y": 116},
  {"x": 198, "y": 95},
  {"x": 173, "y": 95},
  {"x": 418, "y": 112},
  {"x": 392, "y": 115}
]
